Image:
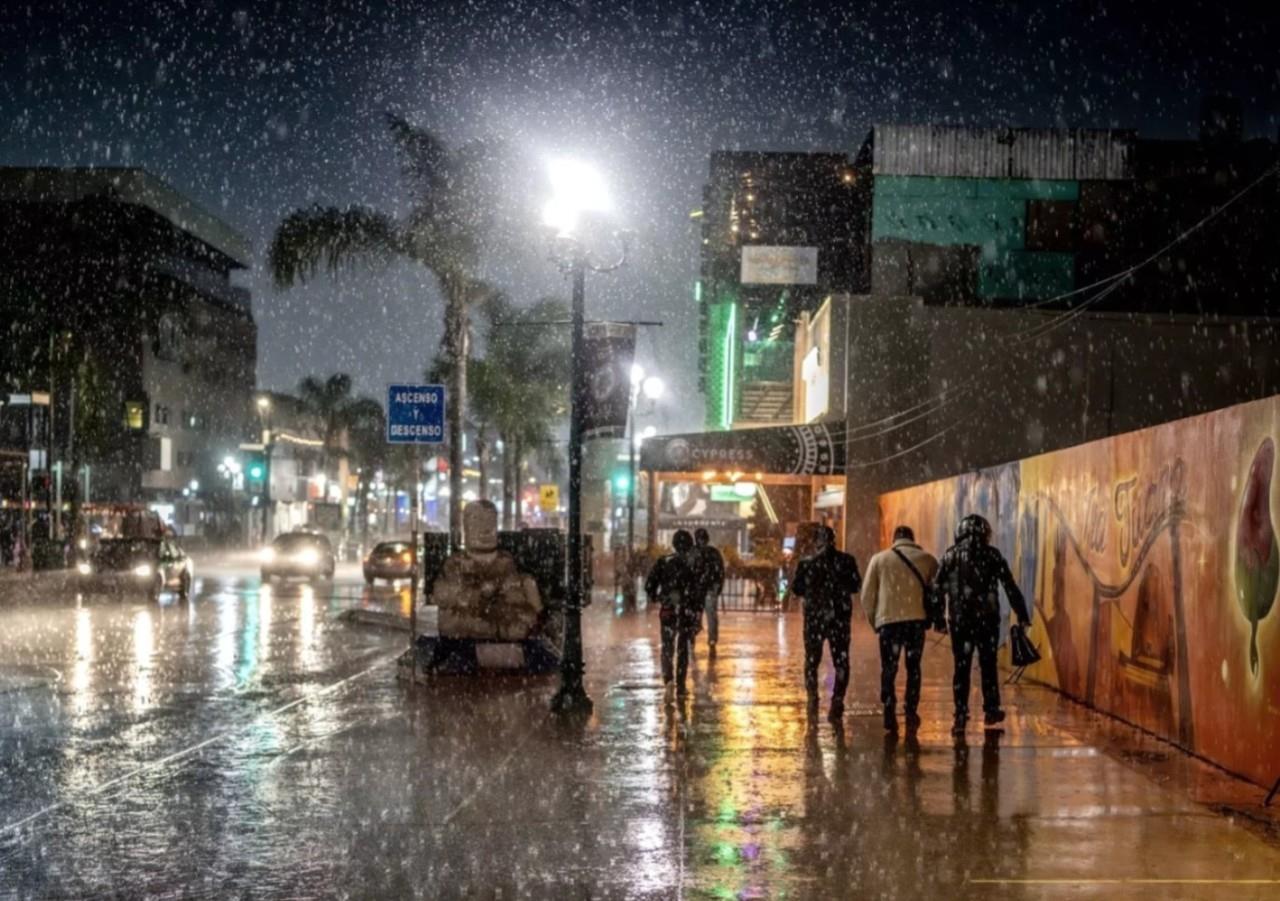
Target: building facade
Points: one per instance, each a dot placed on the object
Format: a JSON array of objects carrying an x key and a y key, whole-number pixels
[
  {"x": 130, "y": 320},
  {"x": 779, "y": 232}
]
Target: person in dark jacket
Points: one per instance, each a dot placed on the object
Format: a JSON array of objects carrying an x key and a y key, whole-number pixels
[
  {"x": 968, "y": 589},
  {"x": 674, "y": 584},
  {"x": 711, "y": 575},
  {"x": 827, "y": 582}
]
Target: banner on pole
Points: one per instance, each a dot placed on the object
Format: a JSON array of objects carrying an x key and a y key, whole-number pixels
[{"x": 608, "y": 352}]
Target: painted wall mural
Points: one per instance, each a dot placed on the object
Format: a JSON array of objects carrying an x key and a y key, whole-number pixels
[{"x": 1153, "y": 564}]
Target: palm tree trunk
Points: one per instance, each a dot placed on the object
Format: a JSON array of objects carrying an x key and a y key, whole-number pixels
[
  {"x": 508, "y": 488},
  {"x": 455, "y": 341}
]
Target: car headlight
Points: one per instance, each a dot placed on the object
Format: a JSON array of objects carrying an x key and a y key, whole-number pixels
[
  {"x": 308, "y": 556},
  {"x": 83, "y": 568},
  {"x": 267, "y": 555},
  {"x": 142, "y": 569}
]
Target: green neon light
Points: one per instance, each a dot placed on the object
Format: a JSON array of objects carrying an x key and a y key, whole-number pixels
[{"x": 730, "y": 340}]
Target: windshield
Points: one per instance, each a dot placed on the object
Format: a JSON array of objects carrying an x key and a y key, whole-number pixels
[
  {"x": 297, "y": 541},
  {"x": 123, "y": 551}
]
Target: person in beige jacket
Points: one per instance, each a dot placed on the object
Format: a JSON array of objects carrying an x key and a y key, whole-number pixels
[{"x": 898, "y": 603}]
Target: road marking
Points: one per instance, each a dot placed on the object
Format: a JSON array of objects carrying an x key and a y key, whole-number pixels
[
  {"x": 1125, "y": 880},
  {"x": 187, "y": 752}
]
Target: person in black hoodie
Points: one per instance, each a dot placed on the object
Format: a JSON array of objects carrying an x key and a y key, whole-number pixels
[
  {"x": 968, "y": 588},
  {"x": 827, "y": 582},
  {"x": 675, "y": 584}
]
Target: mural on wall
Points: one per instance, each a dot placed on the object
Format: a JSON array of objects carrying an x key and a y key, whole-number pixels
[{"x": 1152, "y": 563}]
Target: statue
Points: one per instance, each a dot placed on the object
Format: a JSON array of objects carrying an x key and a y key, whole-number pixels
[{"x": 481, "y": 594}]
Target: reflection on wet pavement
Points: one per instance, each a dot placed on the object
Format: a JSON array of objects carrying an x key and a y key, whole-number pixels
[{"x": 250, "y": 744}]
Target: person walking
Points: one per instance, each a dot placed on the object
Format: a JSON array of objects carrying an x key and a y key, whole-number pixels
[
  {"x": 967, "y": 585},
  {"x": 826, "y": 583},
  {"x": 711, "y": 576},
  {"x": 674, "y": 584},
  {"x": 897, "y": 597}
]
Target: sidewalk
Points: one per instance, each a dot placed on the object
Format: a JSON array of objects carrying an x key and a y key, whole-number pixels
[{"x": 738, "y": 796}]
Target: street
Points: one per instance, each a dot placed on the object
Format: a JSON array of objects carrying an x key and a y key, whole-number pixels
[{"x": 249, "y": 743}]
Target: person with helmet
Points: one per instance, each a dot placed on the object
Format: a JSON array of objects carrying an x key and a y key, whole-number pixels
[
  {"x": 826, "y": 582},
  {"x": 674, "y": 583},
  {"x": 710, "y": 564},
  {"x": 968, "y": 588}
]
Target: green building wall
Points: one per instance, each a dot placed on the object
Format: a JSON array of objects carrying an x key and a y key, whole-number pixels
[{"x": 990, "y": 214}]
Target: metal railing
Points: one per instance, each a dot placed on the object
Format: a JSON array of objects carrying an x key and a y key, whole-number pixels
[{"x": 741, "y": 595}]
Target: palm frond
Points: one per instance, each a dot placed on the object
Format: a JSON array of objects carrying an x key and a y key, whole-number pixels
[
  {"x": 424, "y": 158},
  {"x": 333, "y": 238}
]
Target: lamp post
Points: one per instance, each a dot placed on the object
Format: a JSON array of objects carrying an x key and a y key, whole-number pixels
[
  {"x": 268, "y": 445},
  {"x": 652, "y": 388},
  {"x": 577, "y": 189}
]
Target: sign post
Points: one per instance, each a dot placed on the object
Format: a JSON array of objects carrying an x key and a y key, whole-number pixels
[{"x": 415, "y": 415}]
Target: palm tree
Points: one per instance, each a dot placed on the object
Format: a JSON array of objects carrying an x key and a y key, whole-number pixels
[
  {"x": 342, "y": 419},
  {"x": 454, "y": 194},
  {"x": 521, "y": 386},
  {"x": 367, "y": 445}
]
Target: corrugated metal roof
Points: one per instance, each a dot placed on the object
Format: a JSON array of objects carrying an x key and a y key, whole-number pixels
[{"x": 961, "y": 152}]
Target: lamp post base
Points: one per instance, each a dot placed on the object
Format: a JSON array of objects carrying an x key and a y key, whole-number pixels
[{"x": 571, "y": 699}]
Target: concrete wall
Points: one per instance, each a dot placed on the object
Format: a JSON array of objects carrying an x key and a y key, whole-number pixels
[
  {"x": 935, "y": 391},
  {"x": 1152, "y": 562}
]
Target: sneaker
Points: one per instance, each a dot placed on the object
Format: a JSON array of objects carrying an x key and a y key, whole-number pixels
[
  {"x": 958, "y": 727},
  {"x": 836, "y": 713},
  {"x": 994, "y": 717},
  {"x": 890, "y": 720}
]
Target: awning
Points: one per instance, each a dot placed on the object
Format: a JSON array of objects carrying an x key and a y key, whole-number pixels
[{"x": 786, "y": 450}]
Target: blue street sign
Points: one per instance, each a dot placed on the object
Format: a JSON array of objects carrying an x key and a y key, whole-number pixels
[{"x": 415, "y": 414}]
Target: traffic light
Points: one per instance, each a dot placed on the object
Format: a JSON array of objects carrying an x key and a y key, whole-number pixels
[
  {"x": 255, "y": 467},
  {"x": 622, "y": 482}
]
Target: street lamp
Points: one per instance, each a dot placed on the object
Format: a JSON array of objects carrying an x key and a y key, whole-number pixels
[{"x": 577, "y": 189}]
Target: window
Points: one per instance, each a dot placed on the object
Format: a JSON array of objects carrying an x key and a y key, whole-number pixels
[
  {"x": 161, "y": 415},
  {"x": 135, "y": 415},
  {"x": 1051, "y": 225}
]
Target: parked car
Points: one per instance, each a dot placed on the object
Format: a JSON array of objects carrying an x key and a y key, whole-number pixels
[
  {"x": 389, "y": 560},
  {"x": 146, "y": 565},
  {"x": 305, "y": 554}
]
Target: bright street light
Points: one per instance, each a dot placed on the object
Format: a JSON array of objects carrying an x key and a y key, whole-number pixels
[
  {"x": 264, "y": 403},
  {"x": 576, "y": 188},
  {"x": 654, "y": 387}
]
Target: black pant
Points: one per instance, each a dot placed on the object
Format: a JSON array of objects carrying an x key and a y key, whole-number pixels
[
  {"x": 677, "y": 636},
  {"x": 964, "y": 641},
  {"x": 895, "y": 638},
  {"x": 835, "y": 632}
]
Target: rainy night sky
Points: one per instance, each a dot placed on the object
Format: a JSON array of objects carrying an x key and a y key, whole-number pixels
[{"x": 253, "y": 109}]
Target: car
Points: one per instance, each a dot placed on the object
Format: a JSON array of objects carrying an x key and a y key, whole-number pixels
[
  {"x": 146, "y": 565},
  {"x": 305, "y": 554},
  {"x": 389, "y": 560}
]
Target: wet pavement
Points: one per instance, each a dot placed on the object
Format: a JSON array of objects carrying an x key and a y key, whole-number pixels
[{"x": 251, "y": 744}]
